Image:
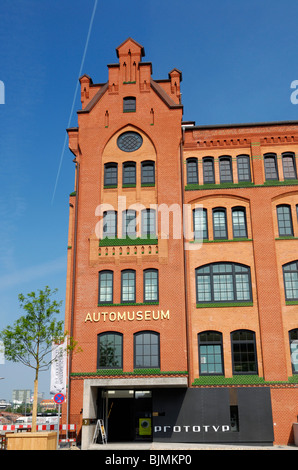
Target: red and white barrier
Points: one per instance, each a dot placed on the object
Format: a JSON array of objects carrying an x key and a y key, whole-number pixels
[{"x": 72, "y": 428}]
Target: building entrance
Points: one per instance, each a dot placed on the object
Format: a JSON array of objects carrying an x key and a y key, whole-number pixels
[{"x": 127, "y": 415}]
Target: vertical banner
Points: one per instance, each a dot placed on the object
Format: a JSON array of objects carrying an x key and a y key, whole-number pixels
[{"x": 58, "y": 368}]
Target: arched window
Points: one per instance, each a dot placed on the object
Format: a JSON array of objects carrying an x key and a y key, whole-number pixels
[
  {"x": 284, "y": 219},
  {"x": 151, "y": 285},
  {"x": 223, "y": 282},
  {"x": 220, "y": 230},
  {"x": 192, "y": 171},
  {"x": 210, "y": 353},
  {"x": 147, "y": 172},
  {"x": 129, "y": 173},
  {"x": 129, "y": 104},
  {"x": 289, "y": 166},
  {"x": 239, "y": 222},
  {"x": 146, "y": 350},
  {"x": 243, "y": 167},
  {"x": 110, "y": 351},
  {"x": 270, "y": 164},
  {"x": 105, "y": 287},
  {"x": 244, "y": 354},
  {"x": 128, "y": 286},
  {"x": 109, "y": 224},
  {"x": 200, "y": 224},
  {"x": 208, "y": 170},
  {"x": 290, "y": 272},
  {"x": 225, "y": 169},
  {"x": 110, "y": 174},
  {"x": 148, "y": 223},
  {"x": 129, "y": 223},
  {"x": 293, "y": 338}
]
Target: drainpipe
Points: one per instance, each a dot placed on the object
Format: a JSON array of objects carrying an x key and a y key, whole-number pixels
[
  {"x": 73, "y": 284},
  {"x": 184, "y": 260}
]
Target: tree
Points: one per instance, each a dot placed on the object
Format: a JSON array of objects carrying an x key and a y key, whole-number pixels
[{"x": 29, "y": 340}]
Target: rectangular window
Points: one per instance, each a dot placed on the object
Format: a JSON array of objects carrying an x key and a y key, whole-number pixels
[
  {"x": 270, "y": 163},
  {"x": 284, "y": 219},
  {"x": 148, "y": 223},
  {"x": 129, "y": 227},
  {"x": 109, "y": 224},
  {"x": 151, "y": 285},
  {"x": 225, "y": 170},
  {"x": 239, "y": 223},
  {"x": 289, "y": 166},
  {"x": 243, "y": 166},
  {"x": 109, "y": 351},
  {"x": 219, "y": 224},
  {"x": 192, "y": 171},
  {"x": 208, "y": 171},
  {"x": 200, "y": 226},
  {"x": 105, "y": 294},
  {"x": 146, "y": 350},
  {"x": 128, "y": 286}
]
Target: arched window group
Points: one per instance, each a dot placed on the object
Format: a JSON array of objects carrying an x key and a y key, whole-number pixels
[
  {"x": 243, "y": 349},
  {"x": 129, "y": 224},
  {"x": 129, "y": 174},
  {"x": 128, "y": 286},
  {"x": 225, "y": 169},
  {"x": 220, "y": 223},
  {"x": 146, "y": 350}
]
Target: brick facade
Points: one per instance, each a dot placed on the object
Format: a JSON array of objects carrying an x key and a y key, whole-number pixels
[{"x": 177, "y": 316}]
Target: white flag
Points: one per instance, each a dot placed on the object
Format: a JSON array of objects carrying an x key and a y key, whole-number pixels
[{"x": 58, "y": 368}]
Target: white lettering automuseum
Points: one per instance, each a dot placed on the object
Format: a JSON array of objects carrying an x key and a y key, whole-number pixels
[{"x": 139, "y": 315}]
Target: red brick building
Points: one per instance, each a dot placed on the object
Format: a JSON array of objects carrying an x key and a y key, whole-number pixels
[{"x": 182, "y": 282}]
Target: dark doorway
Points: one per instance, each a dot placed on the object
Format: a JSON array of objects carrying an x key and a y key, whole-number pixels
[{"x": 127, "y": 415}]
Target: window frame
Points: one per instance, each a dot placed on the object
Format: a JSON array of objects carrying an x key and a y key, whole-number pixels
[
  {"x": 290, "y": 271},
  {"x": 207, "y": 179},
  {"x": 108, "y": 166},
  {"x": 280, "y": 221},
  {"x": 126, "y": 180},
  {"x": 210, "y": 283},
  {"x": 125, "y": 233},
  {"x": 210, "y": 342},
  {"x": 292, "y": 155},
  {"x": 247, "y": 341},
  {"x": 239, "y": 170},
  {"x": 144, "y": 164},
  {"x": 129, "y": 104},
  {"x": 147, "y": 233},
  {"x": 105, "y": 334},
  {"x": 145, "y": 272},
  {"x": 123, "y": 272},
  {"x": 224, "y": 211},
  {"x": 110, "y": 235},
  {"x": 222, "y": 159},
  {"x": 243, "y": 210},
  {"x": 204, "y": 232},
  {"x": 291, "y": 340},
  {"x": 101, "y": 273},
  {"x": 266, "y": 157},
  {"x": 192, "y": 176},
  {"x": 135, "y": 355}
]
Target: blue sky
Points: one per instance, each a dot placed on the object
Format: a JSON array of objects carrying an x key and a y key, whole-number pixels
[{"x": 238, "y": 60}]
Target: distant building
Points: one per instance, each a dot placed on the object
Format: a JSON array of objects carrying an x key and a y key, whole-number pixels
[
  {"x": 21, "y": 396},
  {"x": 4, "y": 404},
  {"x": 47, "y": 405}
]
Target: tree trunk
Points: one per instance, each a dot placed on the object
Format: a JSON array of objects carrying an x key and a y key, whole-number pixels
[{"x": 34, "y": 410}]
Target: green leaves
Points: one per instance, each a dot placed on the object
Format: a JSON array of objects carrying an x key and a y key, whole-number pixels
[{"x": 29, "y": 339}]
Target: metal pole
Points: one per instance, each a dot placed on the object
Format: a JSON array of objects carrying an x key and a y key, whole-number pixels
[{"x": 59, "y": 409}]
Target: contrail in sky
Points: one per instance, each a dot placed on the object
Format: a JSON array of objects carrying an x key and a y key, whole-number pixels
[{"x": 75, "y": 95}]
